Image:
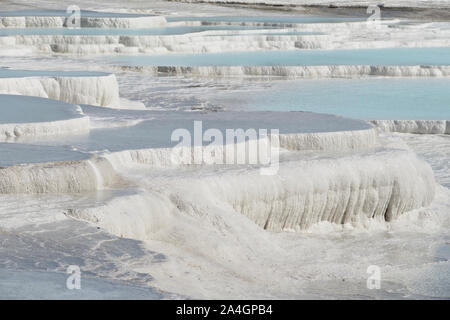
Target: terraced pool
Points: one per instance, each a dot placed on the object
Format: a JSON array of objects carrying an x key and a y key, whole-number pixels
[
  {"x": 371, "y": 99},
  {"x": 388, "y": 56}
]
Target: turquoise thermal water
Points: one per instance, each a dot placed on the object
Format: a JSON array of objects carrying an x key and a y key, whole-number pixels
[
  {"x": 371, "y": 99},
  {"x": 394, "y": 56},
  {"x": 25, "y": 109}
]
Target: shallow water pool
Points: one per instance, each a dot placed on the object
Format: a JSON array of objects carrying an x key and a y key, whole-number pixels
[
  {"x": 20, "y": 153},
  {"x": 52, "y": 285},
  {"x": 26, "y": 109},
  {"x": 157, "y": 129},
  {"x": 368, "y": 99},
  {"x": 394, "y": 56}
]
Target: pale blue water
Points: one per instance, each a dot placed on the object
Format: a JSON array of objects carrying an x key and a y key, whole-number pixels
[
  {"x": 25, "y": 109},
  {"x": 13, "y": 73},
  {"x": 131, "y": 32},
  {"x": 268, "y": 19},
  {"x": 394, "y": 56},
  {"x": 157, "y": 132},
  {"x": 369, "y": 99},
  {"x": 52, "y": 285},
  {"x": 62, "y": 13},
  {"x": 20, "y": 153}
]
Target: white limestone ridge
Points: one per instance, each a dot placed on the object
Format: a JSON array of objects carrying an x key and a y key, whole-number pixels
[
  {"x": 204, "y": 43},
  {"x": 351, "y": 189},
  {"x": 57, "y": 177},
  {"x": 110, "y": 163},
  {"x": 413, "y": 126},
  {"x": 34, "y": 129},
  {"x": 101, "y": 90},
  {"x": 297, "y": 71},
  {"x": 85, "y": 22},
  {"x": 333, "y": 3}
]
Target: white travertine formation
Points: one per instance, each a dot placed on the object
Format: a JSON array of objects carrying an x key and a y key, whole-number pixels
[
  {"x": 414, "y": 126},
  {"x": 162, "y": 157},
  {"x": 334, "y": 3},
  {"x": 102, "y": 90},
  {"x": 85, "y": 22},
  {"x": 35, "y": 129},
  {"x": 57, "y": 177},
  {"x": 351, "y": 189},
  {"x": 204, "y": 43},
  {"x": 297, "y": 71}
]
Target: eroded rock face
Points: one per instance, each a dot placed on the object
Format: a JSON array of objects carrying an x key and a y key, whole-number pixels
[{"x": 99, "y": 90}]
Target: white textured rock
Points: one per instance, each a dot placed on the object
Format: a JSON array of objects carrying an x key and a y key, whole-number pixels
[
  {"x": 343, "y": 35},
  {"x": 330, "y": 141},
  {"x": 343, "y": 3},
  {"x": 324, "y": 141},
  {"x": 34, "y": 129},
  {"x": 414, "y": 126},
  {"x": 196, "y": 43},
  {"x": 351, "y": 189},
  {"x": 135, "y": 22},
  {"x": 85, "y": 22},
  {"x": 297, "y": 71},
  {"x": 189, "y": 43},
  {"x": 57, "y": 177},
  {"x": 156, "y": 157},
  {"x": 95, "y": 90}
]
